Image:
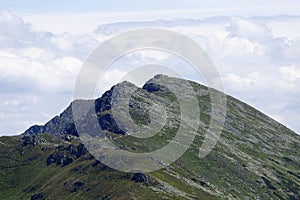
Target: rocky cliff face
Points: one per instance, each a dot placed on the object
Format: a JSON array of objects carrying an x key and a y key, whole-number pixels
[
  {"x": 138, "y": 105},
  {"x": 255, "y": 157}
]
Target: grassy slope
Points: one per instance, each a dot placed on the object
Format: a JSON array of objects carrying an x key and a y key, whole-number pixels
[
  {"x": 255, "y": 158},
  {"x": 28, "y": 174}
]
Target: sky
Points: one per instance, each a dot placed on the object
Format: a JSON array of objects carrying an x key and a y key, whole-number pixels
[
  {"x": 255, "y": 46},
  {"x": 72, "y": 6}
]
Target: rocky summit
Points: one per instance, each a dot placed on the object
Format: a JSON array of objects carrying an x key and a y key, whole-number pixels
[{"x": 255, "y": 157}]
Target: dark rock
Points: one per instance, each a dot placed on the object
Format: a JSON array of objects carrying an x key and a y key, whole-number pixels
[
  {"x": 59, "y": 160},
  {"x": 77, "y": 185},
  {"x": 104, "y": 167},
  {"x": 202, "y": 183},
  {"x": 288, "y": 160},
  {"x": 97, "y": 162},
  {"x": 105, "y": 197},
  {"x": 76, "y": 151},
  {"x": 59, "y": 125},
  {"x": 27, "y": 140},
  {"x": 292, "y": 173},
  {"x": 81, "y": 150},
  {"x": 71, "y": 149},
  {"x": 67, "y": 161},
  {"x": 107, "y": 122},
  {"x": 38, "y": 196},
  {"x": 268, "y": 183},
  {"x": 63, "y": 125},
  {"x": 34, "y": 140},
  {"x": 55, "y": 158},
  {"x": 67, "y": 138},
  {"x": 50, "y": 159},
  {"x": 41, "y": 141},
  {"x": 35, "y": 130},
  {"x": 152, "y": 87},
  {"x": 140, "y": 178},
  {"x": 194, "y": 179},
  {"x": 44, "y": 148},
  {"x": 34, "y": 157}
]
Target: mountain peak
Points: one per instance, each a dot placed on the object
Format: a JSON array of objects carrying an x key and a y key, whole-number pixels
[{"x": 255, "y": 155}]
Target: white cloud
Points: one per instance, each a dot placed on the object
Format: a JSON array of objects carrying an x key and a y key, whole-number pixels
[
  {"x": 249, "y": 29},
  {"x": 259, "y": 63},
  {"x": 290, "y": 73},
  {"x": 37, "y": 72},
  {"x": 33, "y": 60},
  {"x": 287, "y": 26},
  {"x": 19, "y": 111},
  {"x": 62, "y": 43},
  {"x": 34, "y": 53},
  {"x": 13, "y": 29},
  {"x": 33, "y": 75}
]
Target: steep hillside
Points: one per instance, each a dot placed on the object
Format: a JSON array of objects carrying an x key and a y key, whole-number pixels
[{"x": 255, "y": 157}]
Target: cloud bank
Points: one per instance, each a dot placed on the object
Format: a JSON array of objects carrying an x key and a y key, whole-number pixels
[
  {"x": 37, "y": 72},
  {"x": 258, "y": 61}
]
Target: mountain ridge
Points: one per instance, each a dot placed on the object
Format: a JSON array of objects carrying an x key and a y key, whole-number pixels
[
  {"x": 255, "y": 157},
  {"x": 35, "y": 129}
]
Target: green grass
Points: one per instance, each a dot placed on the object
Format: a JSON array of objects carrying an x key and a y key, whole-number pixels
[{"x": 260, "y": 162}]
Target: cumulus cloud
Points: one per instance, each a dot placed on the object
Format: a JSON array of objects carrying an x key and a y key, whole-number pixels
[
  {"x": 36, "y": 71},
  {"x": 13, "y": 29},
  {"x": 33, "y": 60},
  {"x": 249, "y": 29},
  {"x": 19, "y": 111},
  {"x": 258, "y": 62},
  {"x": 290, "y": 73},
  {"x": 36, "y": 67}
]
